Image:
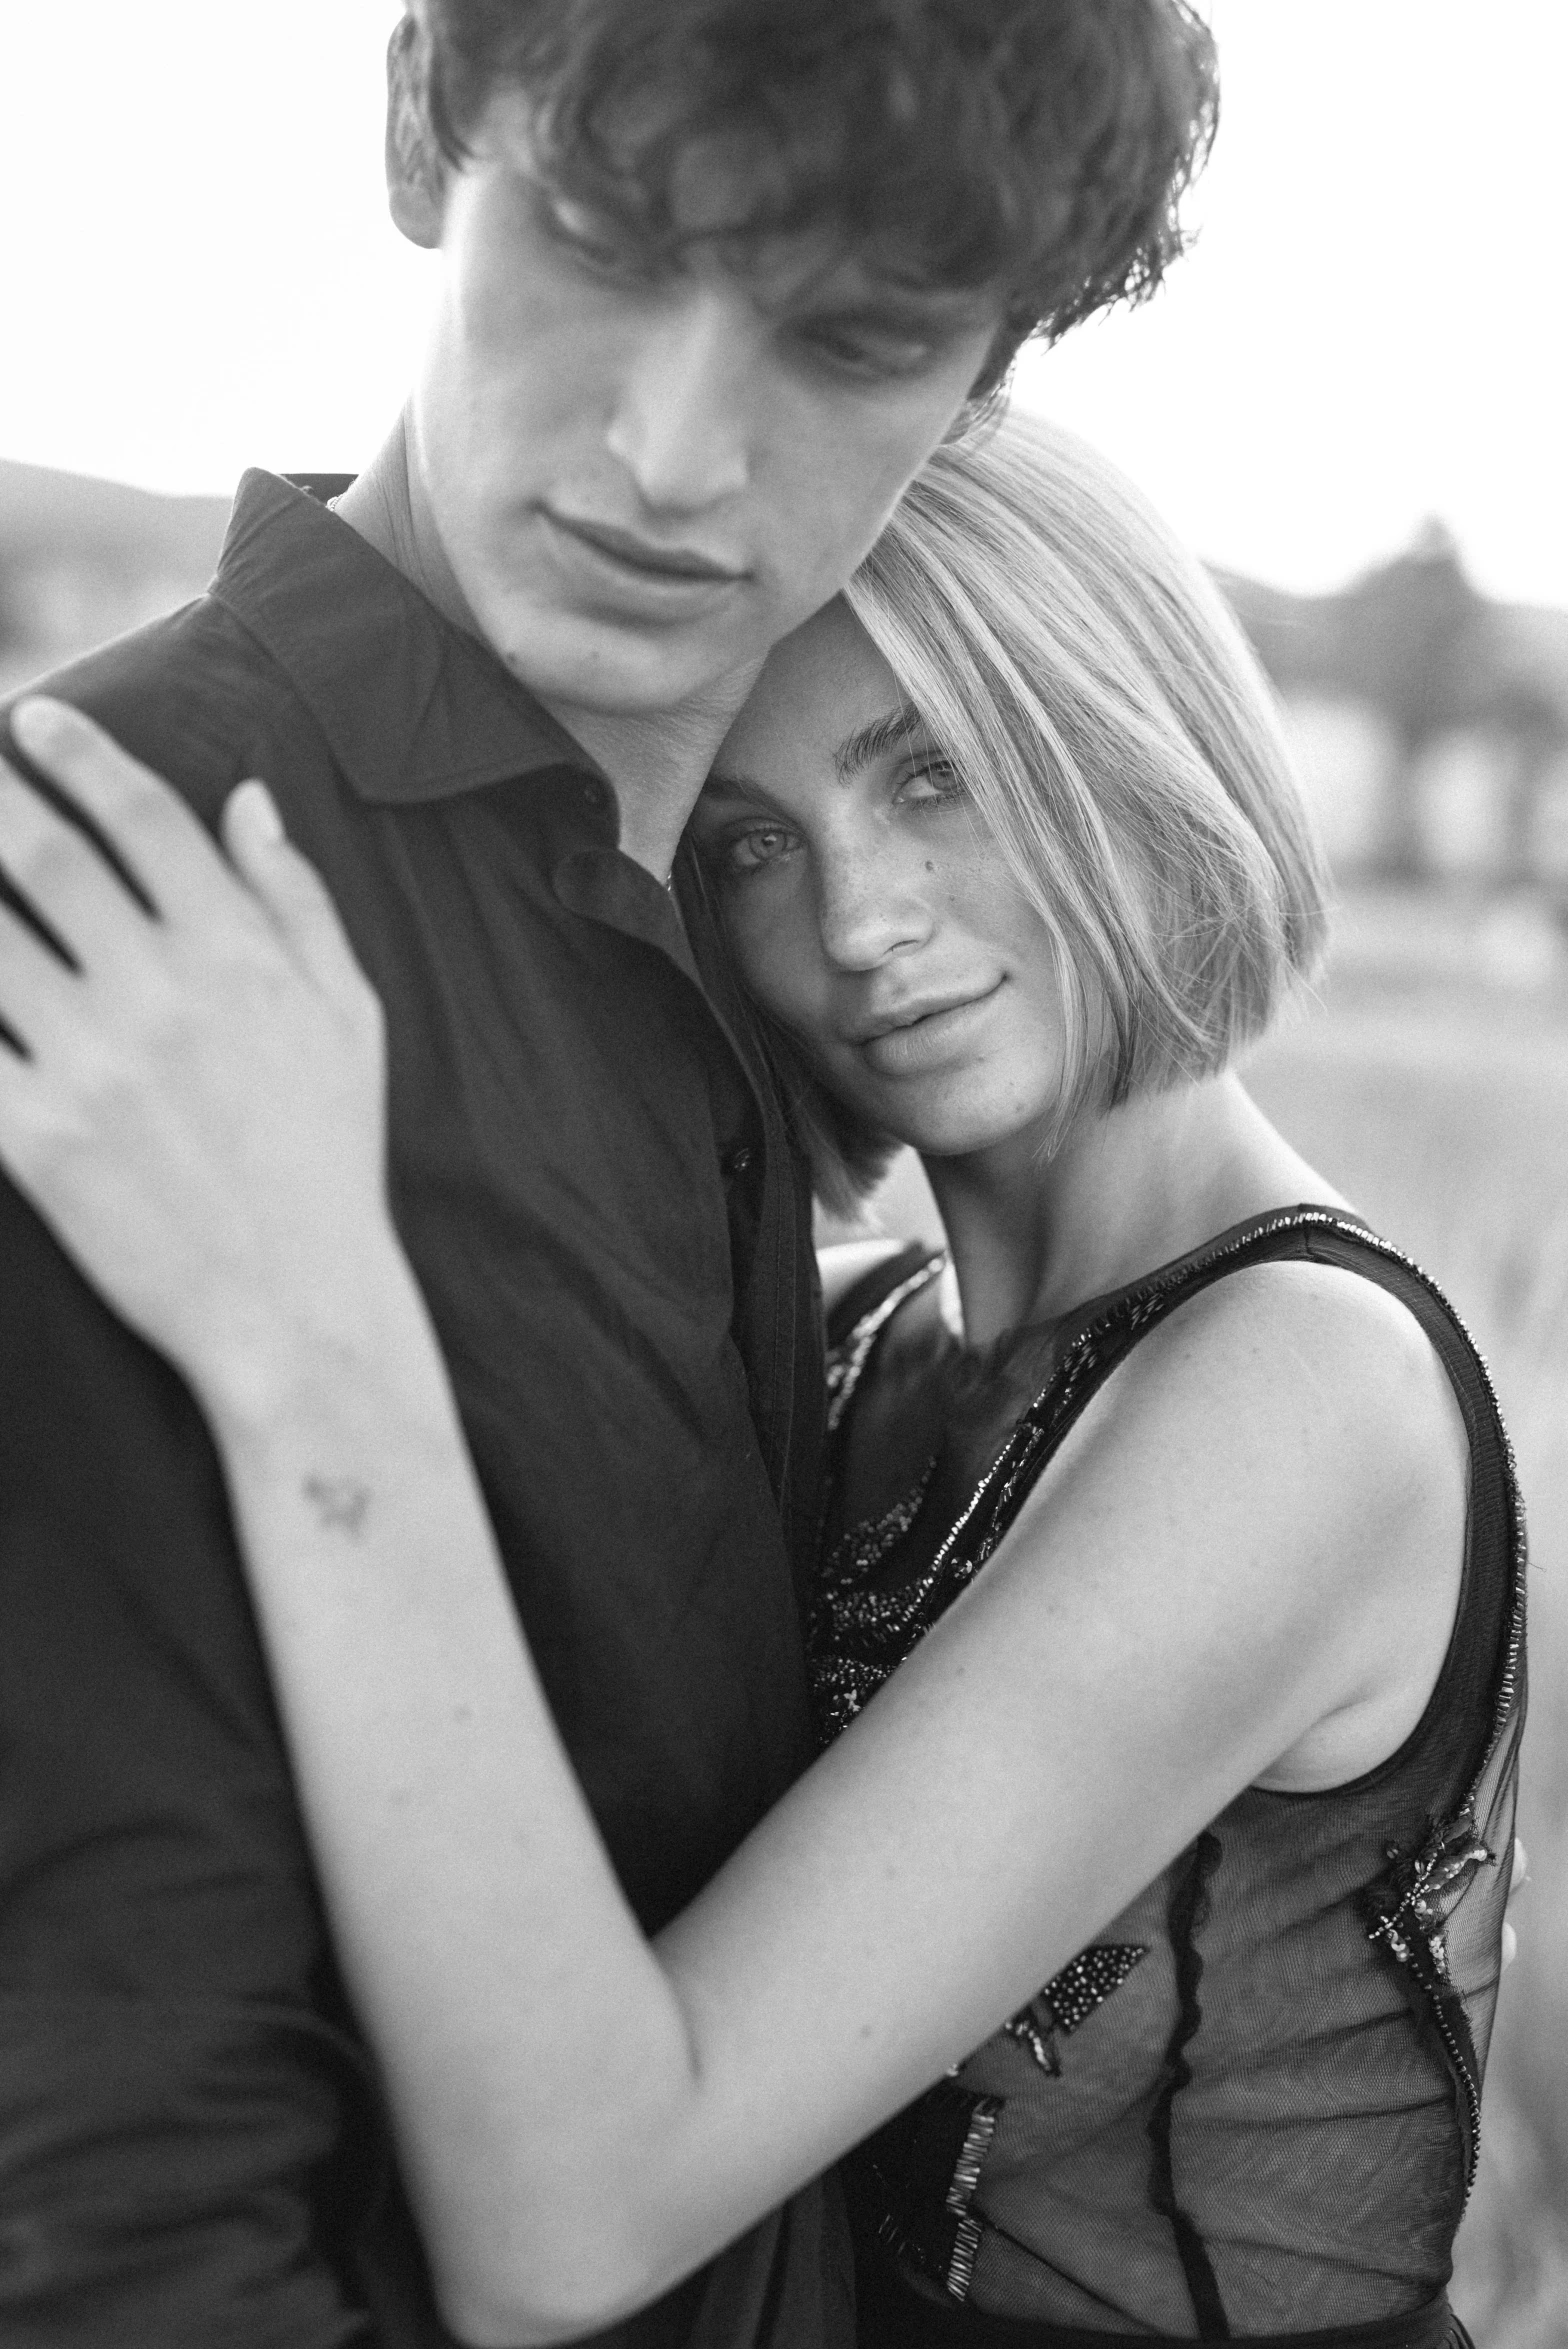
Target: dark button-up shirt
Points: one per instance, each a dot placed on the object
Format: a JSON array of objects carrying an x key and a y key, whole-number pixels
[{"x": 598, "y": 1193}]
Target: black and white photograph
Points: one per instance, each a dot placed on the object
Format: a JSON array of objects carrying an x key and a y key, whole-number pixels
[{"x": 783, "y": 1175}]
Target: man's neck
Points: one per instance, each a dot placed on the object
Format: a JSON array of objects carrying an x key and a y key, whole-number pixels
[{"x": 657, "y": 760}]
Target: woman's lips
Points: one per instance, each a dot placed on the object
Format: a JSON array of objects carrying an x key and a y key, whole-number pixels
[{"x": 929, "y": 1038}]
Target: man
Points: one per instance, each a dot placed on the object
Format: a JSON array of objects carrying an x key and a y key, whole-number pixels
[{"x": 717, "y": 277}]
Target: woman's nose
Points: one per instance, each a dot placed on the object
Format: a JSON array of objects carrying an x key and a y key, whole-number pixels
[
  {"x": 871, "y": 903},
  {"x": 681, "y": 424}
]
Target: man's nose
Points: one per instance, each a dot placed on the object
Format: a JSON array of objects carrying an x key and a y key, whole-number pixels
[
  {"x": 871, "y": 903},
  {"x": 682, "y": 422}
]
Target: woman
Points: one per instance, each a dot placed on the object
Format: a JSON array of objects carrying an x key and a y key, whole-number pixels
[{"x": 1156, "y": 1891}]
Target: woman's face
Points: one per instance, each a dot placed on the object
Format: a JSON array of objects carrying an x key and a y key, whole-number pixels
[{"x": 869, "y": 911}]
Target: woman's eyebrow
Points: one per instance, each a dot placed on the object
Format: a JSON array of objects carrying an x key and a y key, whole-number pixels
[
  {"x": 892, "y": 730},
  {"x": 857, "y": 750},
  {"x": 719, "y": 786}
]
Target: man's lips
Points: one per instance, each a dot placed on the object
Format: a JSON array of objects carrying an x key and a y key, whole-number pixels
[{"x": 645, "y": 555}]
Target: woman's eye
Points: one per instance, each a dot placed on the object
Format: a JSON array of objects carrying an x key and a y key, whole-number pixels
[
  {"x": 935, "y": 779},
  {"x": 749, "y": 852}
]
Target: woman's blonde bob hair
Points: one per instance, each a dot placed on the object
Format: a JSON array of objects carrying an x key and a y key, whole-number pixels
[{"x": 1117, "y": 739}]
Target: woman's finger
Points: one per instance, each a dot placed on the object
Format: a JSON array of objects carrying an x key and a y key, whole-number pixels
[
  {"x": 38, "y": 992},
  {"x": 18, "y": 1116},
  {"x": 167, "y": 853},
  {"x": 62, "y": 877},
  {"x": 1521, "y": 1874},
  {"x": 292, "y": 891}
]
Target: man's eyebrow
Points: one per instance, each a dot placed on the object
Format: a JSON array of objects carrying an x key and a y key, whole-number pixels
[
  {"x": 910, "y": 299},
  {"x": 892, "y": 729}
]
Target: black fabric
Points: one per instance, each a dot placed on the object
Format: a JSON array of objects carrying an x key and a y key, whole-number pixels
[
  {"x": 592, "y": 1176},
  {"x": 1188, "y": 1909},
  {"x": 894, "y": 2316},
  {"x": 1252, "y": 2106}
]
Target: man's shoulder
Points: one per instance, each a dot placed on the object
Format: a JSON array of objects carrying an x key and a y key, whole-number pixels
[{"x": 193, "y": 695}]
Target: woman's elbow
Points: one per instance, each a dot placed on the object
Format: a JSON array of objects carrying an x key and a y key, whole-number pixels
[{"x": 514, "y": 2297}]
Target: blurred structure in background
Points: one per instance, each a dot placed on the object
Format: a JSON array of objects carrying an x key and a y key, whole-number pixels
[
  {"x": 83, "y": 560},
  {"x": 1431, "y": 724}
]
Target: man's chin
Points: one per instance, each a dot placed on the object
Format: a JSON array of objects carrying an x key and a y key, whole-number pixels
[{"x": 615, "y": 670}]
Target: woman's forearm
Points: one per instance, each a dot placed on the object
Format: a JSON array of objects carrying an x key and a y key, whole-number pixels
[{"x": 534, "y": 2051}]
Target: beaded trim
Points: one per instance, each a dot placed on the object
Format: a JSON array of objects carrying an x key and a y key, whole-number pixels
[
  {"x": 847, "y": 1361},
  {"x": 961, "y": 2193}
]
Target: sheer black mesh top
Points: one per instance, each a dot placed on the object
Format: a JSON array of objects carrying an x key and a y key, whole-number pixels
[{"x": 1252, "y": 2105}]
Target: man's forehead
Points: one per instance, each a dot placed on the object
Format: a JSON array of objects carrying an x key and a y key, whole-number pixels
[
  {"x": 726, "y": 213},
  {"x": 822, "y": 271}
]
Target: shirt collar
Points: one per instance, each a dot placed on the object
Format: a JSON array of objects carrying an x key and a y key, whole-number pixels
[{"x": 412, "y": 708}]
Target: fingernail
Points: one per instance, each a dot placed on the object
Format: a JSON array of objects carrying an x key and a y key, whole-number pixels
[
  {"x": 254, "y": 804},
  {"x": 36, "y": 722}
]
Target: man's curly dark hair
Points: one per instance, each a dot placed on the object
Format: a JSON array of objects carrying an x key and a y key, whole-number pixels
[{"x": 1041, "y": 146}]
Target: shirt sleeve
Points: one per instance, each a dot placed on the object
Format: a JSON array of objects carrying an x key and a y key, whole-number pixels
[{"x": 189, "y": 2141}]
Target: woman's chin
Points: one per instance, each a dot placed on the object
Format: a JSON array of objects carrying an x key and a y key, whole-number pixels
[
  {"x": 954, "y": 1130},
  {"x": 952, "y": 1111}
]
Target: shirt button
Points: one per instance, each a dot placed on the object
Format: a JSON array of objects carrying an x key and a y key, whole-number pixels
[{"x": 737, "y": 1164}]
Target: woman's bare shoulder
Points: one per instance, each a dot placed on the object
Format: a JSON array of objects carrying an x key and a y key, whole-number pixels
[
  {"x": 1322, "y": 1321},
  {"x": 1279, "y": 1346}
]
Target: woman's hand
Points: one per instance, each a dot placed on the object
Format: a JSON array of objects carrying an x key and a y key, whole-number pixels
[{"x": 192, "y": 1091}]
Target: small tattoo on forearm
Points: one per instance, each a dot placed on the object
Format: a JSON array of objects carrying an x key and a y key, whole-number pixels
[{"x": 341, "y": 1504}]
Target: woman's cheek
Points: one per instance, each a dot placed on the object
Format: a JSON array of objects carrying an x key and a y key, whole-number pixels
[{"x": 775, "y": 954}]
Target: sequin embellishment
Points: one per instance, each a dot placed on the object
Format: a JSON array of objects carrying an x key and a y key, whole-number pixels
[
  {"x": 1408, "y": 1913},
  {"x": 1070, "y": 1998}
]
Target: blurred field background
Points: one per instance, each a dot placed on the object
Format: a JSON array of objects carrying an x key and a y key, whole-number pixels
[{"x": 1429, "y": 1080}]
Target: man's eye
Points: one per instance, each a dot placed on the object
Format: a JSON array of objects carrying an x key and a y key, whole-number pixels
[
  {"x": 598, "y": 245},
  {"x": 877, "y": 354}
]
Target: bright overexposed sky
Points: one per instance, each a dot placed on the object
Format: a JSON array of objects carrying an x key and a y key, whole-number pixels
[{"x": 199, "y": 273}]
